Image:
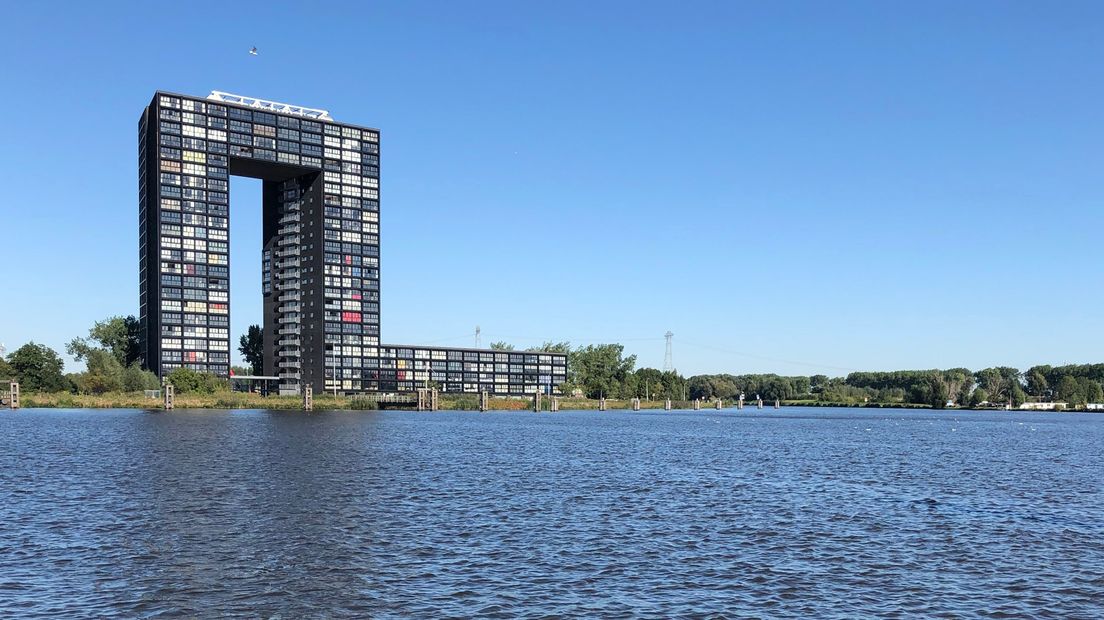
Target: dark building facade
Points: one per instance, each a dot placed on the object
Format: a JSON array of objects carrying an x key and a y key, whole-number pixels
[{"x": 320, "y": 255}]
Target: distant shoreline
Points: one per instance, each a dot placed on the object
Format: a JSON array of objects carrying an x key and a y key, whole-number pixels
[{"x": 447, "y": 402}]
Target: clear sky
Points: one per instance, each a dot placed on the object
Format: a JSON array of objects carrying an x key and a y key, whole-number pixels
[{"x": 789, "y": 187}]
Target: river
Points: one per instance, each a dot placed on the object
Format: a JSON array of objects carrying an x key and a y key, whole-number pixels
[{"x": 797, "y": 513}]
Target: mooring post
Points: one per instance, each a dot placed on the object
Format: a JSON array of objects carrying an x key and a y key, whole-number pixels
[
  {"x": 602, "y": 404},
  {"x": 433, "y": 400},
  {"x": 421, "y": 399},
  {"x": 759, "y": 403},
  {"x": 483, "y": 400},
  {"x": 13, "y": 400},
  {"x": 536, "y": 400},
  {"x": 667, "y": 405},
  {"x": 697, "y": 404},
  {"x": 777, "y": 405},
  {"x": 555, "y": 403},
  {"x": 308, "y": 397},
  {"x": 168, "y": 396},
  {"x": 740, "y": 402},
  {"x": 636, "y": 404},
  {"x": 720, "y": 404}
]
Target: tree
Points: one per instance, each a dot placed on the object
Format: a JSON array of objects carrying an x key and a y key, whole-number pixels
[
  {"x": 1069, "y": 390},
  {"x": 552, "y": 347},
  {"x": 38, "y": 368},
  {"x": 186, "y": 380},
  {"x": 999, "y": 382},
  {"x": 1017, "y": 395},
  {"x": 600, "y": 370},
  {"x": 6, "y": 371},
  {"x": 817, "y": 383},
  {"x": 1037, "y": 384},
  {"x": 118, "y": 335},
  {"x": 136, "y": 379},
  {"x": 251, "y": 346},
  {"x": 502, "y": 346},
  {"x": 978, "y": 397},
  {"x": 104, "y": 373}
]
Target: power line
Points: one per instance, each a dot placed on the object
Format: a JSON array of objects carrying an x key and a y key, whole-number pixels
[{"x": 768, "y": 359}]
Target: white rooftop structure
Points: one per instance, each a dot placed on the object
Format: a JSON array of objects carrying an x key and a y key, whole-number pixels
[{"x": 271, "y": 106}]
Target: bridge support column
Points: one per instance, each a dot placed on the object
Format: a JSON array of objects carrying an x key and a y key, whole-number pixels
[{"x": 308, "y": 397}]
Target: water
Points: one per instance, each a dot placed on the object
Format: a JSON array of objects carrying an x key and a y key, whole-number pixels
[{"x": 798, "y": 513}]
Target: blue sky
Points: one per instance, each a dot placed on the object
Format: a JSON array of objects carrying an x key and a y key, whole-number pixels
[{"x": 789, "y": 187}]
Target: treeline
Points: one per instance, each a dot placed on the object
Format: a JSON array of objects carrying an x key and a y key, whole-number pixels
[
  {"x": 1075, "y": 384},
  {"x": 603, "y": 370},
  {"x": 110, "y": 354},
  {"x": 111, "y": 357}
]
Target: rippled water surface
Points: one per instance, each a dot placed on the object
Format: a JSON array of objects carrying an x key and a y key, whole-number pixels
[{"x": 798, "y": 513}]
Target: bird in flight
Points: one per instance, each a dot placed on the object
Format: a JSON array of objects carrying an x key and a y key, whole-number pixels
[{"x": 253, "y": 52}]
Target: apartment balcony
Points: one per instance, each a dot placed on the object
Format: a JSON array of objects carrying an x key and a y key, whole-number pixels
[
  {"x": 289, "y": 363},
  {"x": 290, "y": 376},
  {"x": 289, "y": 274},
  {"x": 290, "y": 296},
  {"x": 291, "y": 250},
  {"x": 290, "y": 218},
  {"x": 289, "y": 307},
  {"x": 289, "y": 285},
  {"x": 287, "y": 263},
  {"x": 288, "y": 230},
  {"x": 288, "y": 342},
  {"x": 289, "y": 240}
]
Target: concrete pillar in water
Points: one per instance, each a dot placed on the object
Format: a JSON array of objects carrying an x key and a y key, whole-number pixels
[
  {"x": 308, "y": 397},
  {"x": 555, "y": 403},
  {"x": 483, "y": 400},
  {"x": 697, "y": 404},
  {"x": 169, "y": 396},
  {"x": 433, "y": 400},
  {"x": 777, "y": 405},
  {"x": 636, "y": 404},
  {"x": 667, "y": 405},
  {"x": 720, "y": 404},
  {"x": 13, "y": 399},
  {"x": 602, "y": 404}
]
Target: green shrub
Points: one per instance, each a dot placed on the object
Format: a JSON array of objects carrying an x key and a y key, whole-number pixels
[
  {"x": 186, "y": 380},
  {"x": 136, "y": 380},
  {"x": 363, "y": 403}
]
